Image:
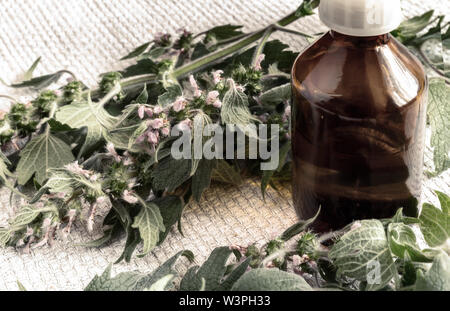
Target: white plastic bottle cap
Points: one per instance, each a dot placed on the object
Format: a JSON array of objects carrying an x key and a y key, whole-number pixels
[{"x": 361, "y": 18}]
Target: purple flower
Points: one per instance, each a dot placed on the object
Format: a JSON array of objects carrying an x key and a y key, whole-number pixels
[
  {"x": 157, "y": 110},
  {"x": 179, "y": 104},
  {"x": 153, "y": 137},
  {"x": 141, "y": 112},
  {"x": 156, "y": 123},
  {"x": 165, "y": 131},
  {"x": 217, "y": 76},
  {"x": 197, "y": 92},
  {"x": 129, "y": 197},
  {"x": 184, "y": 125}
]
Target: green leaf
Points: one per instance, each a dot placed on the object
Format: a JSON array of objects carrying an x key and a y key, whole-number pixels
[
  {"x": 212, "y": 272},
  {"x": 40, "y": 82},
  {"x": 122, "y": 282},
  {"x": 434, "y": 224},
  {"x": 202, "y": 178},
  {"x": 403, "y": 243},
  {"x": 88, "y": 115},
  {"x": 4, "y": 172},
  {"x": 363, "y": 254},
  {"x": 149, "y": 222},
  {"x": 27, "y": 214},
  {"x": 171, "y": 208},
  {"x": 164, "y": 272},
  {"x": 298, "y": 228},
  {"x": 169, "y": 174},
  {"x": 39, "y": 155},
  {"x": 438, "y": 277},
  {"x": 277, "y": 94},
  {"x": 439, "y": 118},
  {"x": 29, "y": 74},
  {"x": 267, "y": 174},
  {"x": 271, "y": 280},
  {"x": 138, "y": 51},
  {"x": 227, "y": 174},
  {"x": 235, "y": 275},
  {"x": 64, "y": 181},
  {"x": 223, "y": 32},
  {"x": 169, "y": 97},
  {"x": 409, "y": 28},
  {"x": 444, "y": 200},
  {"x": 5, "y": 235},
  {"x": 235, "y": 109},
  {"x": 143, "y": 66}
]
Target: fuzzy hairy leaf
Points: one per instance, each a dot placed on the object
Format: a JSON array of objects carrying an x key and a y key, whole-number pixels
[
  {"x": 39, "y": 155},
  {"x": 403, "y": 243},
  {"x": 4, "y": 172},
  {"x": 435, "y": 225},
  {"x": 122, "y": 282},
  {"x": 28, "y": 213},
  {"x": 87, "y": 114},
  {"x": 439, "y": 117},
  {"x": 438, "y": 277},
  {"x": 210, "y": 273},
  {"x": 202, "y": 178},
  {"x": 271, "y": 280},
  {"x": 150, "y": 223},
  {"x": 169, "y": 97},
  {"x": 360, "y": 251},
  {"x": 5, "y": 235},
  {"x": 64, "y": 181},
  {"x": 223, "y": 32},
  {"x": 41, "y": 82},
  {"x": 235, "y": 109},
  {"x": 277, "y": 94},
  {"x": 171, "y": 208},
  {"x": 169, "y": 174}
]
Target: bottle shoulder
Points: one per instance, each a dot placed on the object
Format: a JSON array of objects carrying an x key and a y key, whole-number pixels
[{"x": 370, "y": 77}]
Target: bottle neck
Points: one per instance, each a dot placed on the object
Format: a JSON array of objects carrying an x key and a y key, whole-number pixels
[{"x": 362, "y": 41}]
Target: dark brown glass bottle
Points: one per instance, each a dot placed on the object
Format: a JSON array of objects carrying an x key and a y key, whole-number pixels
[{"x": 359, "y": 115}]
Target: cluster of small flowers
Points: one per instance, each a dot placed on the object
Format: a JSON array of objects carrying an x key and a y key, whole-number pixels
[{"x": 158, "y": 124}]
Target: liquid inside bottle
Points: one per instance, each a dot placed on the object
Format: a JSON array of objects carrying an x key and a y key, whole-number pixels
[{"x": 359, "y": 116}]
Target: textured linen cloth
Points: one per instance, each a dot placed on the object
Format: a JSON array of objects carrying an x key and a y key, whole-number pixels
[{"x": 88, "y": 37}]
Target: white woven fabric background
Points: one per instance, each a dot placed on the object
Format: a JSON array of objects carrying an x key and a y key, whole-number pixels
[{"x": 87, "y": 37}]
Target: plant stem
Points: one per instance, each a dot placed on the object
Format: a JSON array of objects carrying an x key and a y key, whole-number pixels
[{"x": 260, "y": 48}]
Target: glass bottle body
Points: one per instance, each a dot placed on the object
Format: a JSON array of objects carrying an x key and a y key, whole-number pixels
[{"x": 359, "y": 116}]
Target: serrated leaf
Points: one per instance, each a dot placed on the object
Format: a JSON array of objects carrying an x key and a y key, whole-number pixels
[
  {"x": 122, "y": 282},
  {"x": 138, "y": 51},
  {"x": 271, "y": 280},
  {"x": 150, "y": 223},
  {"x": 88, "y": 115},
  {"x": 227, "y": 174},
  {"x": 363, "y": 254},
  {"x": 403, "y": 243},
  {"x": 64, "y": 181},
  {"x": 202, "y": 178},
  {"x": 434, "y": 224},
  {"x": 39, "y": 155},
  {"x": 437, "y": 278},
  {"x": 169, "y": 174},
  {"x": 439, "y": 117},
  {"x": 212, "y": 272}
]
